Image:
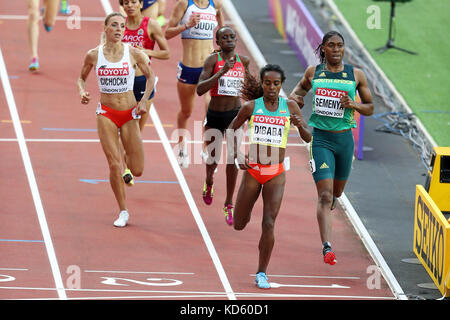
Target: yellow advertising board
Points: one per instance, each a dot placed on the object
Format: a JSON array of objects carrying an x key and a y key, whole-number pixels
[{"x": 432, "y": 240}]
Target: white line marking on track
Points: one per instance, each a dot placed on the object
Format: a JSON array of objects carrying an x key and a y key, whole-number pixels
[
  {"x": 31, "y": 179},
  {"x": 332, "y": 286},
  {"x": 310, "y": 277},
  {"x": 349, "y": 210},
  {"x": 191, "y": 203},
  {"x": 303, "y": 144},
  {"x": 193, "y": 294},
  {"x": 187, "y": 193},
  {"x": 63, "y": 18},
  {"x": 139, "y": 272},
  {"x": 13, "y": 269}
]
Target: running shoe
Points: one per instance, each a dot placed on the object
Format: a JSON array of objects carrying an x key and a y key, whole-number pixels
[
  {"x": 208, "y": 192},
  {"x": 64, "y": 8},
  {"x": 161, "y": 20},
  {"x": 128, "y": 177},
  {"x": 328, "y": 254},
  {"x": 228, "y": 211},
  {"x": 47, "y": 28},
  {"x": 122, "y": 220},
  {"x": 333, "y": 203},
  {"x": 261, "y": 281},
  {"x": 34, "y": 66},
  {"x": 182, "y": 157}
]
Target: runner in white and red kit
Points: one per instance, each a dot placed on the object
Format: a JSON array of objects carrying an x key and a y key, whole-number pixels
[{"x": 115, "y": 64}]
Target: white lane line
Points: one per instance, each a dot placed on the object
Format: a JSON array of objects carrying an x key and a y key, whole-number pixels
[
  {"x": 348, "y": 207},
  {"x": 311, "y": 277},
  {"x": 13, "y": 269},
  {"x": 190, "y": 200},
  {"x": 139, "y": 272},
  {"x": 61, "y": 18},
  {"x": 107, "y": 6},
  {"x": 31, "y": 179},
  {"x": 302, "y": 144},
  {"x": 187, "y": 193},
  {"x": 214, "y": 294}
]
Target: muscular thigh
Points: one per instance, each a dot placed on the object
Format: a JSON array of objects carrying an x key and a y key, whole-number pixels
[
  {"x": 272, "y": 194},
  {"x": 322, "y": 162},
  {"x": 108, "y": 134},
  {"x": 247, "y": 195},
  {"x": 131, "y": 139},
  {"x": 344, "y": 156}
]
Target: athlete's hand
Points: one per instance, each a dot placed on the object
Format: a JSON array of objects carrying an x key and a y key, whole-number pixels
[
  {"x": 346, "y": 102},
  {"x": 141, "y": 108},
  {"x": 241, "y": 161},
  {"x": 297, "y": 120},
  {"x": 298, "y": 99},
  {"x": 194, "y": 19},
  {"x": 85, "y": 97},
  {"x": 229, "y": 64}
]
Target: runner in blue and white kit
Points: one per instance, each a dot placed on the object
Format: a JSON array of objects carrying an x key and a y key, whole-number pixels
[{"x": 196, "y": 21}]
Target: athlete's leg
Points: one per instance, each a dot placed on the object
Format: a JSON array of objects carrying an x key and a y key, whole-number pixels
[
  {"x": 108, "y": 134},
  {"x": 231, "y": 174},
  {"x": 130, "y": 135},
  {"x": 272, "y": 194},
  {"x": 33, "y": 26},
  {"x": 50, "y": 12},
  {"x": 247, "y": 195},
  {"x": 323, "y": 211},
  {"x": 151, "y": 11},
  {"x": 213, "y": 142},
  {"x": 186, "y": 95},
  {"x": 161, "y": 7}
]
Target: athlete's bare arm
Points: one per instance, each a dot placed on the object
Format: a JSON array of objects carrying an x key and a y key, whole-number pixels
[
  {"x": 173, "y": 29},
  {"x": 90, "y": 61},
  {"x": 366, "y": 106},
  {"x": 155, "y": 32},
  {"x": 298, "y": 120},
  {"x": 303, "y": 86},
  {"x": 142, "y": 62}
]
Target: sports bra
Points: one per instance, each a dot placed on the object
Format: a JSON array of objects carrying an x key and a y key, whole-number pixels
[
  {"x": 270, "y": 128},
  {"x": 115, "y": 77},
  {"x": 204, "y": 30}
]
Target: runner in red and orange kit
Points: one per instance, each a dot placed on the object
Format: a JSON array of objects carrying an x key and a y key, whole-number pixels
[
  {"x": 223, "y": 74},
  {"x": 143, "y": 33}
]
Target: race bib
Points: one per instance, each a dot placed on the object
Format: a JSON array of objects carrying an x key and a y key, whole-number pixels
[
  {"x": 327, "y": 102},
  {"x": 229, "y": 86},
  {"x": 206, "y": 26},
  {"x": 268, "y": 130}
]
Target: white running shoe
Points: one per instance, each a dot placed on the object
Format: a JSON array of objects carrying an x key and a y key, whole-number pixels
[
  {"x": 183, "y": 160},
  {"x": 122, "y": 220},
  {"x": 182, "y": 155}
]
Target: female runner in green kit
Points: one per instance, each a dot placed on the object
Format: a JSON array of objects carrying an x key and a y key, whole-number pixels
[{"x": 334, "y": 86}]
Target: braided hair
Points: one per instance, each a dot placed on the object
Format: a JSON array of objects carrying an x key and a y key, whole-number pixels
[
  {"x": 319, "y": 52},
  {"x": 252, "y": 89}
]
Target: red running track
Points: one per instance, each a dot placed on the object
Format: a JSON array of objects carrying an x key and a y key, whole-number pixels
[{"x": 175, "y": 247}]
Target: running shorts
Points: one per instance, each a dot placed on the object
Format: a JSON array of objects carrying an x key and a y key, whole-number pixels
[{"x": 331, "y": 154}]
